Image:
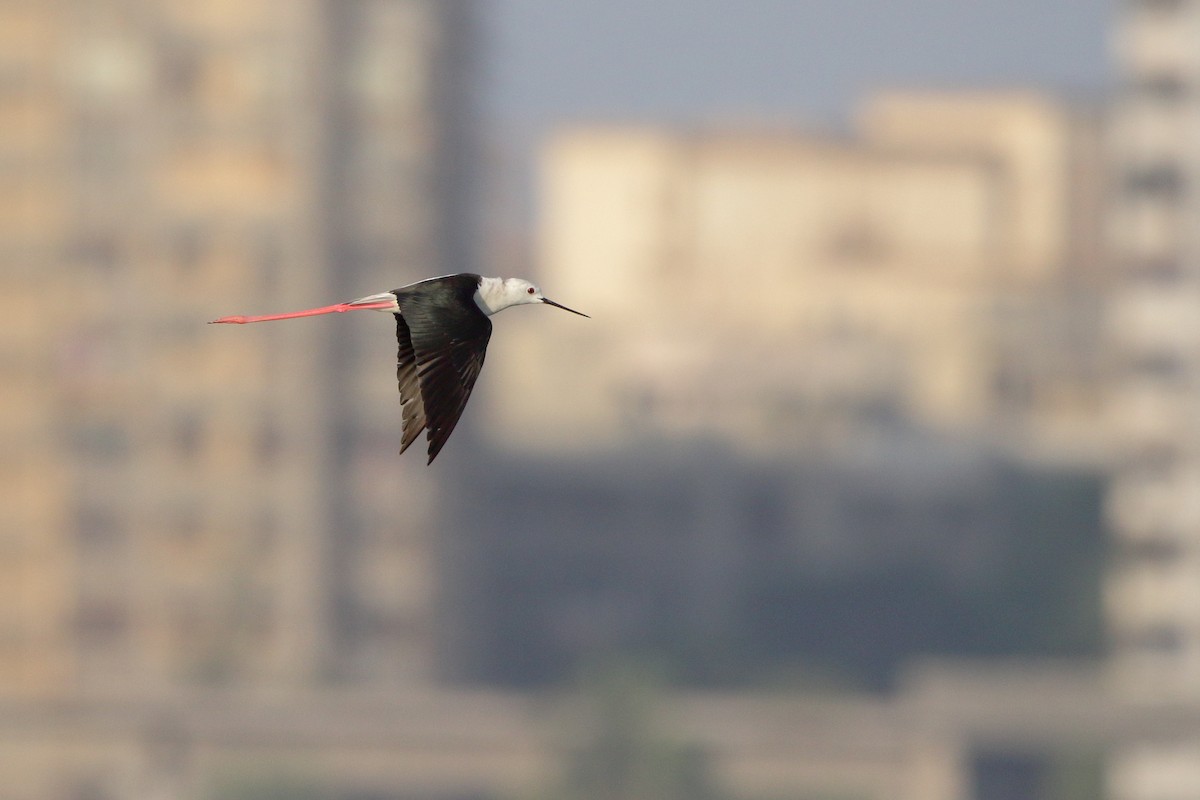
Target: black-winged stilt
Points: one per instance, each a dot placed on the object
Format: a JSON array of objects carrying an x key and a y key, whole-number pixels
[{"x": 443, "y": 328}]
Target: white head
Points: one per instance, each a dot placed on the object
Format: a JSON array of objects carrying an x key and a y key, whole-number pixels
[{"x": 497, "y": 294}]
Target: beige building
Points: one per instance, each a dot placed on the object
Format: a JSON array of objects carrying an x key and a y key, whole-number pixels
[
  {"x": 1154, "y": 501},
  {"x": 781, "y": 290},
  {"x": 214, "y": 564},
  {"x": 185, "y": 503},
  {"x": 926, "y": 742},
  {"x": 918, "y": 745}
]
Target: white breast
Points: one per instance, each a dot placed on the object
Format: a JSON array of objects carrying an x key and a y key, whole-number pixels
[{"x": 491, "y": 296}]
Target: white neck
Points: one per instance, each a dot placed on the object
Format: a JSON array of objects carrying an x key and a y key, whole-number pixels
[{"x": 491, "y": 296}]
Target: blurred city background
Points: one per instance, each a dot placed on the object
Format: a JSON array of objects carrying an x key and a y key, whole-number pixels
[{"x": 875, "y": 475}]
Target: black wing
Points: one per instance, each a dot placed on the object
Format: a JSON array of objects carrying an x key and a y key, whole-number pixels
[
  {"x": 412, "y": 407},
  {"x": 447, "y": 341}
]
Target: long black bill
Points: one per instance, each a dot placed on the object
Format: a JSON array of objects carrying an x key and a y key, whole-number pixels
[{"x": 564, "y": 308}]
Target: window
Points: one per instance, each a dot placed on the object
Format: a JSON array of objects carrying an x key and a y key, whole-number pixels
[
  {"x": 1164, "y": 366},
  {"x": 101, "y": 622},
  {"x": 1161, "y": 640},
  {"x": 180, "y": 68},
  {"x": 1158, "y": 6},
  {"x": 99, "y": 251},
  {"x": 1166, "y": 87},
  {"x": 187, "y": 247},
  {"x": 857, "y": 241},
  {"x": 1165, "y": 180},
  {"x": 268, "y": 257},
  {"x": 269, "y": 441},
  {"x": 1159, "y": 550},
  {"x": 1157, "y": 271},
  {"x": 100, "y": 440},
  {"x": 187, "y": 434},
  {"x": 97, "y": 527}
]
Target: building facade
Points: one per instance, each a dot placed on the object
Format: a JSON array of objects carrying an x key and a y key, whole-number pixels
[
  {"x": 1154, "y": 507},
  {"x": 186, "y": 503},
  {"x": 779, "y": 290}
]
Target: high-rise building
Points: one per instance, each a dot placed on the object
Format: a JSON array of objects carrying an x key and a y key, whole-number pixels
[
  {"x": 182, "y": 502},
  {"x": 1154, "y": 505},
  {"x": 777, "y": 290}
]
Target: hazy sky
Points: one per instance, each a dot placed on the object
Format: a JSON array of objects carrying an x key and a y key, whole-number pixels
[
  {"x": 547, "y": 60},
  {"x": 803, "y": 62}
]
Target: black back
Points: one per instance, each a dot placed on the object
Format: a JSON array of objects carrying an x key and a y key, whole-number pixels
[{"x": 443, "y": 337}]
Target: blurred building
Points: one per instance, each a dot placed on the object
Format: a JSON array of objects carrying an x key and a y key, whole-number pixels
[
  {"x": 809, "y": 357},
  {"x": 191, "y": 504},
  {"x": 952, "y": 732},
  {"x": 1154, "y": 503},
  {"x": 779, "y": 290},
  {"x": 214, "y": 564},
  {"x": 833, "y": 570}
]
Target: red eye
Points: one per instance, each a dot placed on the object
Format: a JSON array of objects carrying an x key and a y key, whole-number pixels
[{"x": 531, "y": 290}]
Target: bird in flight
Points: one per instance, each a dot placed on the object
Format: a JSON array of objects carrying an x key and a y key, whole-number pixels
[{"x": 443, "y": 330}]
